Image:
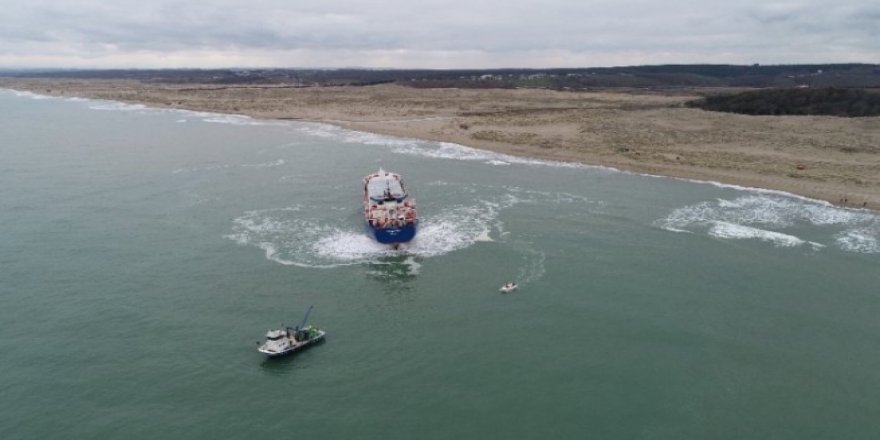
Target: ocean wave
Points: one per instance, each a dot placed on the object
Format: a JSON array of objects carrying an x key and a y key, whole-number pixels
[
  {"x": 452, "y": 151},
  {"x": 863, "y": 240},
  {"x": 217, "y": 118},
  {"x": 517, "y": 194},
  {"x": 534, "y": 196},
  {"x": 497, "y": 162},
  {"x": 738, "y": 232},
  {"x": 756, "y": 217},
  {"x": 433, "y": 149},
  {"x": 25, "y": 94},
  {"x": 214, "y": 167},
  {"x": 201, "y": 168},
  {"x": 276, "y": 163},
  {"x": 114, "y": 106}
]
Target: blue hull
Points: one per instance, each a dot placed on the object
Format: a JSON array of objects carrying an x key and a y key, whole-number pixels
[{"x": 394, "y": 235}]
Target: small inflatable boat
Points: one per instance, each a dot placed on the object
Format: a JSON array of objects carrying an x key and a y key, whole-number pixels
[{"x": 509, "y": 287}]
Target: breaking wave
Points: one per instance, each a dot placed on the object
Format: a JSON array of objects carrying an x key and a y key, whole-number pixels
[
  {"x": 273, "y": 164},
  {"x": 862, "y": 240},
  {"x": 114, "y": 106},
  {"x": 23, "y": 94},
  {"x": 735, "y": 231},
  {"x": 276, "y": 163},
  {"x": 218, "y": 118},
  {"x": 762, "y": 216},
  {"x": 431, "y": 149}
]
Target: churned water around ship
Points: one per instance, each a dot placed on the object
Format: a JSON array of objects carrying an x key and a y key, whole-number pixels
[{"x": 144, "y": 252}]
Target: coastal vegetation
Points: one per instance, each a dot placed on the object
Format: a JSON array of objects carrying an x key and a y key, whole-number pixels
[{"x": 831, "y": 101}]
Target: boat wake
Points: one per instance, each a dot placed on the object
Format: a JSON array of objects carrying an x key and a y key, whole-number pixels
[
  {"x": 532, "y": 268},
  {"x": 288, "y": 236},
  {"x": 764, "y": 217},
  {"x": 225, "y": 166}
]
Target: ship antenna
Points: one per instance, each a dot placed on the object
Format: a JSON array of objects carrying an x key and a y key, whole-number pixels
[{"x": 306, "y": 318}]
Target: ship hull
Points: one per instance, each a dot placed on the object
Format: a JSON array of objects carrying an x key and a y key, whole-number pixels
[
  {"x": 393, "y": 235},
  {"x": 389, "y": 211}
]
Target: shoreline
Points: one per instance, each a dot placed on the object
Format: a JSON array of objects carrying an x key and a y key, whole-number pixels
[{"x": 649, "y": 134}]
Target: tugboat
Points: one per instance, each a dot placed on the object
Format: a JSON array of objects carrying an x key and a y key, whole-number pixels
[
  {"x": 289, "y": 340},
  {"x": 388, "y": 210}
]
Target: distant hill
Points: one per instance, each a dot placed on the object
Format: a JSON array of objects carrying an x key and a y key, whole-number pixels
[
  {"x": 663, "y": 76},
  {"x": 797, "y": 101}
]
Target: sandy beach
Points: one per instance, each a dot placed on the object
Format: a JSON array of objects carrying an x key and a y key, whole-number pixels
[{"x": 829, "y": 158}]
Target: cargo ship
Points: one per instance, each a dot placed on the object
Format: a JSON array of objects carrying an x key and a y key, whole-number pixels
[{"x": 389, "y": 211}]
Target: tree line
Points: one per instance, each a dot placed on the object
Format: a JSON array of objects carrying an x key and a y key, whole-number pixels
[{"x": 799, "y": 101}]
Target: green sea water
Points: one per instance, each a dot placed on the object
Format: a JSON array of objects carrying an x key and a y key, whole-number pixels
[{"x": 143, "y": 253}]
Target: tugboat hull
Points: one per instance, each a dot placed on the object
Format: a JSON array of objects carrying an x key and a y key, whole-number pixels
[
  {"x": 291, "y": 346},
  {"x": 294, "y": 349}
]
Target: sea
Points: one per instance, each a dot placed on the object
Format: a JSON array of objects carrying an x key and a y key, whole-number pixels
[{"x": 145, "y": 252}]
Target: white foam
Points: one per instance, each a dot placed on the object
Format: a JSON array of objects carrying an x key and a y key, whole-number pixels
[
  {"x": 859, "y": 240},
  {"x": 414, "y": 266},
  {"x": 201, "y": 168},
  {"x": 284, "y": 236},
  {"x": 451, "y": 151},
  {"x": 497, "y": 162},
  {"x": 213, "y": 167},
  {"x": 233, "y": 119},
  {"x": 276, "y": 163},
  {"x": 533, "y": 266},
  {"x": 484, "y": 236},
  {"x": 431, "y": 149},
  {"x": 671, "y": 229},
  {"x": 288, "y": 236},
  {"x": 25, "y": 94},
  {"x": 115, "y": 106},
  {"x": 738, "y": 232},
  {"x": 740, "y": 217},
  {"x": 349, "y": 246},
  {"x": 455, "y": 228},
  {"x": 759, "y": 190},
  {"x": 533, "y": 196}
]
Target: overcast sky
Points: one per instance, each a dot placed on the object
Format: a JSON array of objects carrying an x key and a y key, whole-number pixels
[{"x": 433, "y": 34}]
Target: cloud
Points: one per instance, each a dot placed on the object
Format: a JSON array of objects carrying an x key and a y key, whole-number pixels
[{"x": 431, "y": 33}]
